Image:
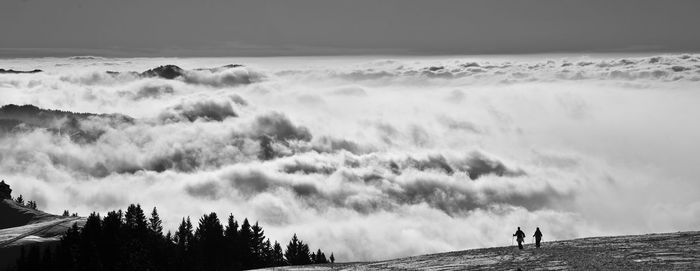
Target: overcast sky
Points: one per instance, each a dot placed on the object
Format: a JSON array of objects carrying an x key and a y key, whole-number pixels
[{"x": 302, "y": 27}]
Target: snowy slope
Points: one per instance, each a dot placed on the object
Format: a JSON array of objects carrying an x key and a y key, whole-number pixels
[
  {"x": 666, "y": 251},
  {"x": 22, "y": 226},
  {"x": 14, "y": 215}
]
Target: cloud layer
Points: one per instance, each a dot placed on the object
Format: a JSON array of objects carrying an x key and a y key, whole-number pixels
[{"x": 371, "y": 159}]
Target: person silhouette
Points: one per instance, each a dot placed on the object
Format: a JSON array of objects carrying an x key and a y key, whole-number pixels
[
  {"x": 538, "y": 237},
  {"x": 520, "y": 235}
]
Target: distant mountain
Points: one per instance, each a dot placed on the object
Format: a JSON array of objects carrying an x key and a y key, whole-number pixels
[
  {"x": 667, "y": 251},
  {"x": 11, "y": 71},
  {"x": 14, "y": 118},
  {"x": 166, "y": 72}
]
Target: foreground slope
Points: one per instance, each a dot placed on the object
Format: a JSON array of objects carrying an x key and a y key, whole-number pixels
[
  {"x": 21, "y": 226},
  {"x": 14, "y": 215},
  {"x": 666, "y": 251}
]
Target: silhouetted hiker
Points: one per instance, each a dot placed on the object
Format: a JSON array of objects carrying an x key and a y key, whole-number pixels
[
  {"x": 520, "y": 235},
  {"x": 538, "y": 237}
]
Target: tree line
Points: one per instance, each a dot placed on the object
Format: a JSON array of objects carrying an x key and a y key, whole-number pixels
[
  {"x": 30, "y": 204},
  {"x": 130, "y": 241}
]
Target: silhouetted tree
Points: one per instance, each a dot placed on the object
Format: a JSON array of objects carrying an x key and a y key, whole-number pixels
[
  {"x": 231, "y": 239},
  {"x": 257, "y": 245},
  {"x": 135, "y": 219},
  {"x": 319, "y": 257},
  {"x": 154, "y": 223},
  {"x": 278, "y": 255},
  {"x": 245, "y": 240},
  {"x": 90, "y": 234},
  {"x": 111, "y": 241},
  {"x": 332, "y": 258},
  {"x": 31, "y": 204},
  {"x": 19, "y": 200},
  {"x": 297, "y": 252},
  {"x": 65, "y": 213},
  {"x": 210, "y": 241}
]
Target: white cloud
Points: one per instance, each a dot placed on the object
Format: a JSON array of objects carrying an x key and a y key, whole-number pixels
[{"x": 370, "y": 160}]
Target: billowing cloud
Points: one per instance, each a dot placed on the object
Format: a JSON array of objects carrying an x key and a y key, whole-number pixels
[
  {"x": 207, "y": 110},
  {"x": 370, "y": 160}
]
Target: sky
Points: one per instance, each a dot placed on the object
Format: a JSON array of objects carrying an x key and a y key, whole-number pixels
[
  {"x": 330, "y": 27},
  {"x": 373, "y": 129}
]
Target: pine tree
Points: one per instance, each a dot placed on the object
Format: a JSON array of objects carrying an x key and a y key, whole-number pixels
[
  {"x": 292, "y": 250},
  {"x": 65, "y": 213},
  {"x": 154, "y": 223},
  {"x": 112, "y": 237},
  {"x": 257, "y": 243},
  {"x": 266, "y": 254},
  {"x": 245, "y": 240},
  {"x": 319, "y": 257},
  {"x": 232, "y": 246},
  {"x": 297, "y": 252},
  {"x": 19, "y": 200},
  {"x": 278, "y": 255},
  {"x": 332, "y": 258},
  {"x": 135, "y": 219},
  {"x": 210, "y": 236},
  {"x": 31, "y": 204},
  {"x": 303, "y": 254},
  {"x": 183, "y": 235},
  {"x": 89, "y": 239},
  {"x": 231, "y": 230}
]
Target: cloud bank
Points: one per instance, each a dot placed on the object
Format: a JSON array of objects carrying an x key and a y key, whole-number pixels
[{"x": 372, "y": 159}]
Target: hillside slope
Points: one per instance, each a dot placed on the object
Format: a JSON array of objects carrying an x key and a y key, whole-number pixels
[
  {"x": 21, "y": 226},
  {"x": 666, "y": 251},
  {"x": 14, "y": 215}
]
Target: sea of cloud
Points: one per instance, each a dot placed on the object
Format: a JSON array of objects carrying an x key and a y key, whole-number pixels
[{"x": 370, "y": 158}]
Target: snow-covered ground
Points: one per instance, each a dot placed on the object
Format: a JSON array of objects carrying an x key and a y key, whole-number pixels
[
  {"x": 666, "y": 251},
  {"x": 40, "y": 232}
]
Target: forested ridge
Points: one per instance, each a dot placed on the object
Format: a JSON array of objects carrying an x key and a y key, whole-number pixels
[{"x": 131, "y": 241}]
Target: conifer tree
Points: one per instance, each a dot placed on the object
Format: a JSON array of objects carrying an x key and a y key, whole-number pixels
[
  {"x": 135, "y": 218},
  {"x": 278, "y": 255},
  {"x": 31, "y": 204},
  {"x": 210, "y": 238},
  {"x": 183, "y": 235},
  {"x": 245, "y": 244},
  {"x": 257, "y": 243},
  {"x": 154, "y": 223},
  {"x": 231, "y": 237},
  {"x": 19, "y": 200},
  {"x": 297, "y": 252}
]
